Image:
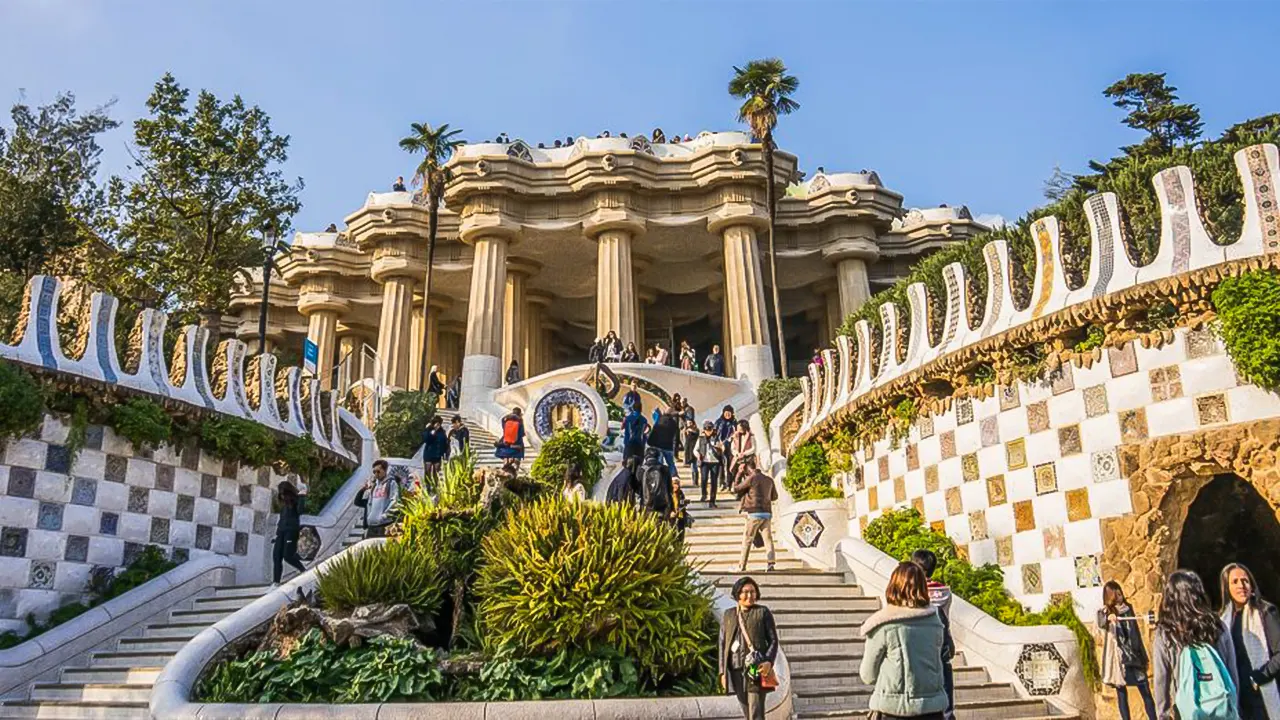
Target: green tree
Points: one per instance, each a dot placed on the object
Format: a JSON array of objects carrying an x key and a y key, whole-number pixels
[
  {"x": 50, "y": 197},
  {"x": 437, "y": 146},
  {"x": 208, "y": 184},
  {"x": 1153, "y": 107},
  {"x": 766, "y": 89}
]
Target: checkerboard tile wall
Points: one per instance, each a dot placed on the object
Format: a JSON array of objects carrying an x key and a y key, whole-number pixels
[{"x": 1023, "y": 478}]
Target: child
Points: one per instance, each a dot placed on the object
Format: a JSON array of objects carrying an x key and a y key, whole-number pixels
[
  {"x": 940, "y": 598},
  {"x": 679, "y": 513}
]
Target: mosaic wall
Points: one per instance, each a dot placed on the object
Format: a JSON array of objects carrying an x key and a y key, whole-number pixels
[{"x": 62, "y": 519}]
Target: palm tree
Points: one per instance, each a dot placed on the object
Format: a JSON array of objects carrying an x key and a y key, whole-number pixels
[
  {"x": 765, "y": 89},
  {"x": 437, "y": 146}
]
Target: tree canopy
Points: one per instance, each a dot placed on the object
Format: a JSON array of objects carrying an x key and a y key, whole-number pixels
[{"x": 765, "y": 89}]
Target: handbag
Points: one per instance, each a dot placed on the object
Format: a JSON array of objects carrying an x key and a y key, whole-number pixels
[{"x": 768, "y": 680}]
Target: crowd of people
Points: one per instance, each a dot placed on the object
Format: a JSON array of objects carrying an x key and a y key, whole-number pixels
[
  {"x": 657, "y": 136},
  {"x": 611, "y": 349}
]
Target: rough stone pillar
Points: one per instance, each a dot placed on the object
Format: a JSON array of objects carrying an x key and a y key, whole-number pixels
[
  {"x": 744, "y": 304},
  {"x": 322, "y": 326},
  {"x": 548, "y": 347},
  {"x": 835, "y": 315},
  {"x": 394, "y": 330},
  {"x": 482, "y": 366},
  {"x": 615, "y": 285},
  {"x": 855, "y": 288}
]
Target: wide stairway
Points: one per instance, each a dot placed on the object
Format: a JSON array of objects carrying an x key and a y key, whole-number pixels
[{"x": 819, "y": 616}]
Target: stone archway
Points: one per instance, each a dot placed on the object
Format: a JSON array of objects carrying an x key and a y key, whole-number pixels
[
  {"x": 1166, "y": 475},
  {"x": 1229, "y": 521}
]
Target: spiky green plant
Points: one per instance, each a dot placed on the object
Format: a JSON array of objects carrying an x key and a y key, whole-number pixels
[{"x": 391, "y": 573}]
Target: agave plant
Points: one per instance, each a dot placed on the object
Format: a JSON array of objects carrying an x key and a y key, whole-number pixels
[{"x": 391, "y": 573}]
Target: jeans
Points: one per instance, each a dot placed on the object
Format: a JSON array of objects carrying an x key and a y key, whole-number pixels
[
  {"x": 710, "y": 477},
  {"x": 756, "y": 526},
  {"x": 949, "y": 683},
  {"x": 669, "y": 457},
  {"x": 751, "y": 700},
  {"x": 1122, "y": 700},
  {"x": 285, "y": 551}
]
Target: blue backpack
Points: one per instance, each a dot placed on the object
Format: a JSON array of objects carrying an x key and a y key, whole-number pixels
[{"x": 1205, "y": 688}]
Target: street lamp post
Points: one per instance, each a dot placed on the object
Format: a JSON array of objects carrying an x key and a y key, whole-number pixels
[{"x": 268, "y": 257}]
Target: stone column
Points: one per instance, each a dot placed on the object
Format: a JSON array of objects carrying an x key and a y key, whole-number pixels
[
  {"x": 415, "y": 347},
  {"x": 547, "y": 345},
  {"x": 855, "y": 288},
  {"x": 615, "y": 285},
  {"x": 514, "y": 308},
  {"x": 451, "y": 342},
  {"x": 482, "y": 365},
  {"x": 716, "y": 295},
  {"x": 322, "y": 327},
  {"x": 432, "y": 351},
  {"x": 744, "y": 303},
  {"x": 644, "y": 298},
  {"x": 835, "y": 314},
  {"x": 532, "y": 360},
  {"x": 394, "y": 330}
]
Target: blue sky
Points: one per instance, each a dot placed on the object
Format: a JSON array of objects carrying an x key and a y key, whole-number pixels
[{"x": 958, "y": 102}]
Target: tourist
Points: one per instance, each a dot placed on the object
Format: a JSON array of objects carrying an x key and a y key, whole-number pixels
[
  {"x": 383, "y": 494},
  {"x": 513, "y": 373},
  {"x": 626, "y": 484},
  {"x": 1255, "y": 638},
  {"x": 688, "y": 439},
  {"x": 658, "y": 136},
  {"x": 940, "y": 598},
  {"x": 660, "y": 354},
  {"x": 435, "y": 382},
  {"x": 747, "y": 649},
  {"x": 612, "y": 347},
  {"x": 574, "y": 490},
  {"x": 1187, "y": 623},
  {"x": 630, "y": 355},
  {"x": 655, "y": 484},
  {"x": 595, "y": 354},
  {"x": 687, "y": 138},
  {"x": 650, "y": 357},
  {"x": 459, "y": 438},
  {"x": 903, "y": 650},
  {"x": 333, "y": 228},
  {"x": 710, "y": 453},
  {"x": 1124, "y": 656},
  {"x": 631, "y": 399},
  {"x": 757, "y": 494},
  {"x": 289, "y": 504},
  {"x": 680, "y": 518},
  {"x": 634, "y": 429},
  {"x": 725, "y": 427},
  {"x": 435, "y": 447},
  {"x": 713, "y": 364},
  {"x": 817, "y": 358},
  {"x": 742, "y": 446},
  {"x": 687, "y": 410},
  {"x": 663, "y": 436},
  {"x": 688, "y": 357},
  {"x": 398, "y": 185},
  {"x": 454, "y": 393},
  {"x": 510, "y": 445}
]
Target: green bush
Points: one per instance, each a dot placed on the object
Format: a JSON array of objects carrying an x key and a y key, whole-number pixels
[
  {"x": 22, "y": 400},
  {"x": 404, "y": 418},
  {"x": 1248, "y": 310},
  {"x": 320, "y": 492},
  {"x": 899, "y": 533},
  {"x": 560, "y": 575},
  {"x": 300, "y": 455},
  {"x": 245, "y": 441},
  {"x": 809, "y": 474},
  {"x": 565, "y": 675},
  {"x": 142, "y": 422},
  {"x": 565, "y": 447},
  {"x": 393, "y": 572},
  {"x": 774, "y": 393}
]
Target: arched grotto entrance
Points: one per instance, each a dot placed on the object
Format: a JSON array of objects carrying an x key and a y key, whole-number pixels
[{"x": 1229, "y": 521}]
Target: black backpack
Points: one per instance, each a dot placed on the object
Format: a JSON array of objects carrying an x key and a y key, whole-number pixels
[{"x": 655, "y": 488}]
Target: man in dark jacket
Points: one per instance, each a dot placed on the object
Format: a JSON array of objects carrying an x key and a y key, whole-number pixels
[
  {"x": 757, "y": 493},
  {"x": 663, "y": 436},
  {"x": 726, "y": 424},
  {"x": 714, "y": 364},
  {"x": 435, "y": 446},
  {"x": 634, "y": 428}
]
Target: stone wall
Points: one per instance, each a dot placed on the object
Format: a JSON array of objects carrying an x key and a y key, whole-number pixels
[{"x": 65, "y": 518}]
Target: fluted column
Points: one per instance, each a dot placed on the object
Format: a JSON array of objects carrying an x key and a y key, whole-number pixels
[
  {"x": 415, "y": 347},
  {"x": 514, "y": 308},
  {"x": 855, "y": 288},
  {"x": 482, "y": 366},
  {"x": 835, "y": 315},
  {"x": 744, "y": 304},
  {"x": 451, "y": 342},
  {"x": 716, "y": 295},
  {"x": 322, "y": 328},
  {"x": 615, "y": 285},
  {"x": 394, "y": 330},
  {"x": 533, "y": 362}
]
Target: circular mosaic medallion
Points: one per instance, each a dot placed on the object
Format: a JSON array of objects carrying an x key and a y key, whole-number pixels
[{"x": 568, "y": 406}]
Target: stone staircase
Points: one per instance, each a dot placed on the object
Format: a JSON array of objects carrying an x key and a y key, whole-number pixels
[
  {"x": 482, "y": 447},
  {"x": 818, "y": 616}
]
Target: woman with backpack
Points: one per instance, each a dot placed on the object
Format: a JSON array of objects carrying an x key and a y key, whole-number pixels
[
  {"x": 1124, "y": 656},
  {"x": 510, "y": 446},
  {"x": 1195, "y": 663},
  {"x": 748, "y": 648},
  {"x": 1255, "y": 636},
  {"x": 902, "y": 657}
]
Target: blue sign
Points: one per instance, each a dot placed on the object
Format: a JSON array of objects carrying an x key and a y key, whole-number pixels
[{"x": 310, "y": 355}]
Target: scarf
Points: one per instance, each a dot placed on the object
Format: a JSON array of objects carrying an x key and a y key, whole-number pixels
[{"x": 1255, "y": 644}]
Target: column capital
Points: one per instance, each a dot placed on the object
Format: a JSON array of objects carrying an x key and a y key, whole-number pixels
[
  {"x": 613, "y": 219},
  {"x": 489, "y": 226},
  {"x": 523, "y": 266},
  {"x": 727, "y": 216},
  {"x": 539, "y": 298},
  {"x": 314, "y": 302},
  {"x": 646, "y": 295},
  {"x": 438, "y": 302},
  {"x": 391, "y": 263},
  {"x": 851, "y": 248}
]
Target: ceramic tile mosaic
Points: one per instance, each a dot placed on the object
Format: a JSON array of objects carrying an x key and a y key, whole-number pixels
[
  {"x": 969, "y": 467},
  {"x": 1004, "y": 551},
  {"x": 964, "y": 411},
  {"x": 1008, "y": 396},
  {"x": 977, "y": 526},
  {"x": 1166, "y": 383},
  {"x": 1046, "y": 479},
  {"x": 1087, "y": 572},
  {"x": 1211, "y": 409},
  {"x": 22, "y": 482},
  {"x": 42, "y": 575},
  {"x": 1201, "y": 342},
  {"x": 1062, "y": 380},
  {"x": 139, "y": 499},
  {"x": 1095, "y": 401},
  {"x": 1122, "y": 360},
  {"x": 931, "y": 479},
  {"x": 1133, "y": 425},
  {"x": 50, "y": 517},
  {"x": 990, "y": 431},
  {"x": 224, "y": 515},
  {"x": 77, "y": 549},
  {"x": 947, "y": 444},
  {"x": 1078, "y": 504},
  {"x": 108, "y": 523},
  {"x": 160, "y": 531},
  {"x": 117, "y": 469},
  {"x": 873, "y": 497},
  {"x": 185, "y": 508},
  {"x": 954, "y": 503},
  {"x": 57, "y": 459},
  {"x": 924, "y": 425},
  {"x": 1031, "y": 579},
  {"x": 1055, "y": 542},
  {"x": 1024, "y": 516},
  {"x": 1069, "y": 440},
  {"x": 84, "y": 491},
  {"x": 1105, "y": 466},
  {"x": 913, "y": 456},
  {"x": 1038, "y": 417},
  {"x": 1016, "y": 454},
  {"x": 13, "y": 542},
  {"x": 996, "y": 494},
  {"x": 164, "y": 478},
  {"x": 208, "y": 486},
  {"x": 899, "y": 490}
]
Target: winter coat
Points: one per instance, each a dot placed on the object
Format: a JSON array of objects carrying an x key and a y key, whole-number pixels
[
  {"x": 630, "y": 400},
  {"x": 633, "y": 429},
  {"x": 902, "y": 658},
  {"x": 1128, "y": 644},
  {"x": 664, "y": 432},
  {"x": 760, "y": 628},
  {"x": 714, "y": 364},
  {"x": 290, "y": 518},
  {"x": 707, "y": 450},
  {"x": 1164, "y": 658},
  {"x": 382, "y": 500},
  {"x": 435, "y": 445},
  {"x": 459, "y": 440},
  {"x": 757, "y": 492}
]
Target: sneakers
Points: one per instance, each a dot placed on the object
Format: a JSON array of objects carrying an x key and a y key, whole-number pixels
[{"x": 769, "y": 568}]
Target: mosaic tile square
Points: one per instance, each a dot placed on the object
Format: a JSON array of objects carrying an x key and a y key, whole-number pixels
[
  {"x": 264, "y": 474},
  {"x": 858, "y": 481},
  {"x": 1201, "y": 343},
  {"x": 204, "y": 537},
  {"x": 996, "y": 492},
  {"x": 1088, "y": 574},
  {"x": 13, "y": 542},
  {"x": 1004, "y": 551},
  {"x": 1166, "y": 383},
  {"x": 139, "y": 499},
  {"x": 931, "y": 483},
  {"x": 1128, "y": 457},
  {"x": 939, "y": 526},
  {"x": 1069, "y": 440},
  {"x": 1055, "y": 542},
  {"x": 1078, "y": 504},
  {"x": 990, "y": 431},
  {"x": 1211, "y": 409},
  {"x": 1123, "y": 360},
  {"x": 42, "y": 575},
  {"x": 132, "y": 551},
  {"x": 164, "y": 478},
  {"x": 1038, "y": 416},
  {"x": 1105, "y": 466},
  {"x": 1046, "y": 478},
  {"x": 924, "y": 425},
  {"x": 1031, "y": 579},
  {"x": 969, "y": 467},
  {"x": 186, "y": 508},
  {"x": 57, "y": 459},
  {"x": 913, "y": 456},
  {"x": 190, "y": 456},
  {"x": 22, "y": 482},
  {"x": 873, "y": 497},
  {"x": 241, "y": 546},
  {"x": 899, "y": 490},
  {"x": 260, "y": 521},
  {"x": 84, "y": 491},
  {"x": 1009, "y": 398},
  {"x": 1095, "y": 401},
  {"x": 117, "y": 469},
  {"x": 964, "y": 411},
  {"x": 50, "y": 516},
  {"x": 954, "y": 504},
  {"x": 1016, "y": 453},
  {"x": 93, "y": 437},
  {"x": 947, "y": 444},
  {"x": 108, "y": 524},
  {"x": 208, "y": 486},
  {"x": 224, "y": 515},
  {"x": 1062, "y": 379},
  {"x": 230, "y": 469},
  {"x": 917, "y": 504},
  {"x": 246, "y": 494},
  {"x": 977, "y": 526},
  {"x": 160, "y": 531},
  {"x": 77, "y": 549},
  {"x": 1133, "y": 425},
  {"x": 181, "y": 555},
  {"x": 863, "y": 521}
]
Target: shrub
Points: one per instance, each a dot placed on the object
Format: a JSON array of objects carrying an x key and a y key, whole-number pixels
[
  {"x": 404, "y": 418},
  {"x": 232, "y": 438},
  {"x": 300, "y": 455},
  {"x": 899, "y": 533},
  {"x": 320, "y": 492},
  {"x": 774, "y": 393},
  {"x": 1248, "y": 309},
  {"x": 567, "y": 674},
  {"x": 22, "y": 400},
  {"x": 808, "y": 474},
  {"x": 149, "y": 564},
  {"x": 565, "y": 447},
  {"x": 393, "y": 573},
  {"x": 584, "y": 576},
  {"x": 142, "y": 422}
]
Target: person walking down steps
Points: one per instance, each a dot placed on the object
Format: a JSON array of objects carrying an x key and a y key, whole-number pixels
[
  {"x": 290, "y": 504},
  {"x": 748, "y": 648},
  {"x": 757, "y": 493}
]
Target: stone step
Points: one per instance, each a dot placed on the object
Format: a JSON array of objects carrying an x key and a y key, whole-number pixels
[
  {"x": 818, "y": 629},
  {"x": 817, "y": 681},
  {"x": 822, "y": 664},
  {"x": 217, "y": 603},
  {"x": 770, "y": 592},
  {"x": 51, "y": 710},
  {"x": 91, "y": 692},
  {"x": 169, "y": 645},
  {"x": 241, "y": 591},
  {"x": 130, "y": 659},
  {"x": 797, "y": 650},
  {"x": 1024, "y": 709},
  {"x": 208, "y": 617},
  {"x": 136, "y": 675},
  {"x": 858, "y": 696},
  {"x": 755, "y": 566},
  {"x": 843, "y": 605},
  {"x": 805, "y": 578},
  {"x": 185, "y": 630}
]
